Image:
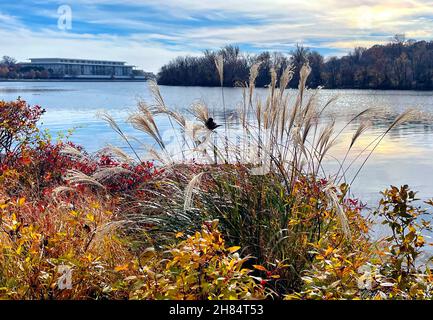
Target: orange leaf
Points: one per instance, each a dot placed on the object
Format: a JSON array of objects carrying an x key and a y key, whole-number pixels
[
  {"x": 121, "y": 268},
  {"x": 259, "y": 267}
]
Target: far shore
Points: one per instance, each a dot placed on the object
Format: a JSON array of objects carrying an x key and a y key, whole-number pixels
[{"x": 73, "y": 80}]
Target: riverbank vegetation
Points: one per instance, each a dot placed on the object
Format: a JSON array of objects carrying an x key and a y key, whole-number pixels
[
  {"x": 397, "y": 65},
  {"x": 206, "y": 217}
]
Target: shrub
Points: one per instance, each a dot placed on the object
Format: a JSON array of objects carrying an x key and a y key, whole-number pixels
[
  {"x": 37, "y": 242},
  {"x": 17, "y": 125},
  {"x": 200, "y": 267},
  {"x": 385, "y": 269}
]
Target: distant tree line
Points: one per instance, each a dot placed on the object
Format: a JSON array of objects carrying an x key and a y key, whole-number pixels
[
  {"x": 400, "y": 64},
  {"x": 10, "y": 69}
]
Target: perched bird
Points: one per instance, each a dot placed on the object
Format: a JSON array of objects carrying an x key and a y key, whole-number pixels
[{"x": 211, "y": 125}]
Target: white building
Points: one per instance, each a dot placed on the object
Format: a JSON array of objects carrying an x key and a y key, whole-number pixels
[{"x": 85, "y": 69}]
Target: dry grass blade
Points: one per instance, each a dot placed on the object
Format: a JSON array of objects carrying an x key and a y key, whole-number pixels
[
  {"x": 113, "y": 124},
  {"x": 399, "y": 120}
]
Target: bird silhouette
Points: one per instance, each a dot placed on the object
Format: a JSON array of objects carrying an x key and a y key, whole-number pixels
[{"x": 211, "y": 125}]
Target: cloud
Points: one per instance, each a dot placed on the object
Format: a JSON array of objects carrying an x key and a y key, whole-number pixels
[
  {"x": 144, "y": 54},
  {"x": 149, "y": 33}
]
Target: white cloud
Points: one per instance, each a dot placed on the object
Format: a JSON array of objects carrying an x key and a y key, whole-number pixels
[
  {"x": 146, "y": 55},
  {"x": 334, "y": 25}
]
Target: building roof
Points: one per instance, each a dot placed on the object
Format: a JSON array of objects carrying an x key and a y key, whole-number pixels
[{"x": 78, "y": 61}]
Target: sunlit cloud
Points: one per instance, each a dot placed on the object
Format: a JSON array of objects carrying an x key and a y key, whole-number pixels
[{"x": 149, "y": 33}]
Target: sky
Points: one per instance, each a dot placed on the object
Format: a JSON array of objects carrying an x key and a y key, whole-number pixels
[{"x": 148, "y": 34}]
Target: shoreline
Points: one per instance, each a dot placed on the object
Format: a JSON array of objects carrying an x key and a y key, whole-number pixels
[{"x": 74, "y": 80}]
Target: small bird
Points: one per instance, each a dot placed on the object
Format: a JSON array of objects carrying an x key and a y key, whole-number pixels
[{"x": 211, "y": 125}]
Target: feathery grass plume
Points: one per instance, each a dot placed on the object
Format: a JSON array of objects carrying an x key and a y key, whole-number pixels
[
  {"x": 329, "y": 190},
  {"x": 161, "y": 108},
  {"x": 143, "y": 120},
  {"x": 113, "y": 124},
  {"x": 72, "y": 152},
  {"x": 63, "y": 189},
  {"x": 156, "y": 93},
  {"x": 273, "y": 84},
  {"x": 189, "y": 190},
  {"x": 305, "y": 72},
  {"x": 164, "y": 158},
  {"x": 106, "y": 173},
  {"x": 103, "y": 230},
  {"x": 178, "y": 117},
  {"x": 117, "y": 152},
  {"x": 79, "y": 178},
  {"x": 285, "y": 78},
  {"x": 357, "y": 116},
  {"x": 363, "y": 126},
  {"x": 254, "y": 72},
  {"x": 219, "y": 63},
  {"x": 145, "y": 110},
  {"x": 200, "y": 111}
]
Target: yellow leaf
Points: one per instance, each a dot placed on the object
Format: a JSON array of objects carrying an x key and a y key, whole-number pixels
[
  {"x": 95, "y": 205},
  {"x": 123, "y": 267},
  {"x": 233, "y": 249},
  {"x": 179, "y": 234},
  {"x": 21, "y": 201}
]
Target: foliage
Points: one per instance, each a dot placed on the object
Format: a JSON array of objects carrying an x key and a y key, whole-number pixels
[
  {"x": 397, "y": 65},
  {"x": 37, "y": 241},
  {"x": 17, "y": 125},
  {"x": 33, "y": 164},
  {"x": 385, "y": 269},
  {"x": 200, "y": 267},
  {"x": 200, "y": 71}
]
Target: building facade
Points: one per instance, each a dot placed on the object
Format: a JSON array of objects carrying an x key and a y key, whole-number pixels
[{"x": 85, "y": 69}]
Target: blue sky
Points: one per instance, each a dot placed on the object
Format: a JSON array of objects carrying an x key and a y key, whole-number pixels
[{"x": 150, "y": 33}]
